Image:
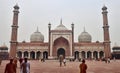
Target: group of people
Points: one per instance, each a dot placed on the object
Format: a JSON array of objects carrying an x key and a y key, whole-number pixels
[
  {"x": 25, "y": 66},
  {"x": 12, "y": 66},
  {"x": 82, "y": 66}
]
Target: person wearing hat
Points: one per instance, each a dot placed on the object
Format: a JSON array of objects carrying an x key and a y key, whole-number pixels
[
  {"x": 83, "y": 67},
  {"x": 25, "y": 67},
  {"x": 10, "y": 67}
]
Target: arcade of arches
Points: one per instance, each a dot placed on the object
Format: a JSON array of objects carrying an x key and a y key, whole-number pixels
[
  {"x": 33, "y": 54},
  {"x": 60, "y": 47},
  {"x": 61, "y": 51},
  {"x": 89, "y": 54}
]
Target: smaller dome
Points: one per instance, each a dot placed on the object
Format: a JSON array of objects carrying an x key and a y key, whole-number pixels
[
  {"x": 16, "y": 6},
  {"x": 3, "y": 47},
  {"x": 104, "y": 8},
  {"x": 84, "y": 37},
  {"x": 37, "y": 37}
]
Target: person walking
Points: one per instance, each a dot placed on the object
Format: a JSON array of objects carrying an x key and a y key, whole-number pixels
[
  {"x": 61, "y": 60},
  {"x": 83, "y": 67},
  {"x": 21, "y": 61},
  {"x": 64, "y": 61},
  {"x": 25, "y": 67},
  {"x": 10, "y": 67},
  {"x": 15, "y": 61}
]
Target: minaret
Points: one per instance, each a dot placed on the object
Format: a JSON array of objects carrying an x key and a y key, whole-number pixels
[
  {"x": 106, "y": 33},
  {"x": 13, "y": 42},
  {"x": 49, "y": 34},
  {"x": 72, "y": 26}
]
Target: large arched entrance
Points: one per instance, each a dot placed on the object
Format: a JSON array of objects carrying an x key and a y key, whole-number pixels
[
  {"x": 61, "y": 46},
  {"x": 61, "y": 51}
]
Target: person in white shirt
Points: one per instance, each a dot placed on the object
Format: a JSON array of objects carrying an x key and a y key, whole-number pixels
[
  {"x": 64, "y": 61},
  {"x": 25, "y": 66}
]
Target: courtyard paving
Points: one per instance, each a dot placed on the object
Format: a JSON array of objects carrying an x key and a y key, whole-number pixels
[{"x": 52, "y": 66}]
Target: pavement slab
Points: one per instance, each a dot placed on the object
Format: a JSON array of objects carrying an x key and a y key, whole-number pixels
[{"x": 53, "y": 66}]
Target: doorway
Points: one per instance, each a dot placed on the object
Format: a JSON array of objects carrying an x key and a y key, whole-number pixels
[{"x": 61, "y": 51}]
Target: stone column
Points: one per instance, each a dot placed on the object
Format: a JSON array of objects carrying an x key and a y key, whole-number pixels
[
  {"x": 28, "y": 55},
  {"x": 22, "y": 54},
  {"x": 79, "y": 54},
  {"x": 41, "y": 56},
  {"x": 92, "y": 55},
  {"x": 35, "y": 55},
  {"x": 98, "y": 55},
  {"x": 86, "y": 55}
]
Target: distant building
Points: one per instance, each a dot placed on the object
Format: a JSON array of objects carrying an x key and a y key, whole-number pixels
[
  {"x": 61, "y": 42},
  {"x": 116, "y": 52},
  {"x": 4, "y": 52}
]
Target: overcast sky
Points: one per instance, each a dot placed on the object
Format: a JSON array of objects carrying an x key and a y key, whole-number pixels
[{"x": 38, "y": 13}]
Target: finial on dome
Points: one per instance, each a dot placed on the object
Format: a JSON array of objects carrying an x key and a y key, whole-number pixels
[
  {"x": 84, "y": 29},
  {"x": 61, "y": 21},
  {"x": 37, "y": 29}
]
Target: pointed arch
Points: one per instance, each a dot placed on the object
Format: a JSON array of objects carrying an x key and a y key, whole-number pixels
[
  {"x": 38, "y": 54},
  {"x": 83, "y": 54},
  {"x": 19, "y": 54},
  {"x": 76, "y": 55},
  {"x": 89, "y": 54},
  {"x": 25, "y": 54},
  {"x": 45, "y": 55},
  {"x": 32, "y": 55},
  {"x": 61, "y": 42}
]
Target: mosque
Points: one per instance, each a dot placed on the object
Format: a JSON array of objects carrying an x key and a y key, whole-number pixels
[{"x": 61, "y": 42}]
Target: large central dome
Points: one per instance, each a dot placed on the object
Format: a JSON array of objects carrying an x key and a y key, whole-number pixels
[
  {"x": 37, "y": 37},
  {"x": 61, "y": 27},
  {"x": 84, "y": 37}
]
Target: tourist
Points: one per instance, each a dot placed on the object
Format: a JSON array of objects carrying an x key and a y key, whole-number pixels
[
  {"x": 64, "y": 61},
  {"x": 10, "y": 67},
  {"x": 15, "y": 61},
  {"x": 25, "y": 67},
  {"x": 108, "y": 60},
  {"x": 61, "y": 60},
  {"x": 21, "y": 61},
  {"x": 83, "y": 67}
]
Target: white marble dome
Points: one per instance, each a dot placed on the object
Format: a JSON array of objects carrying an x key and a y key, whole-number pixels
[
  {"x": 37, "y": 37},
  {"x": 84, "y": 37},
  {"x": 61, "y": 26}
]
